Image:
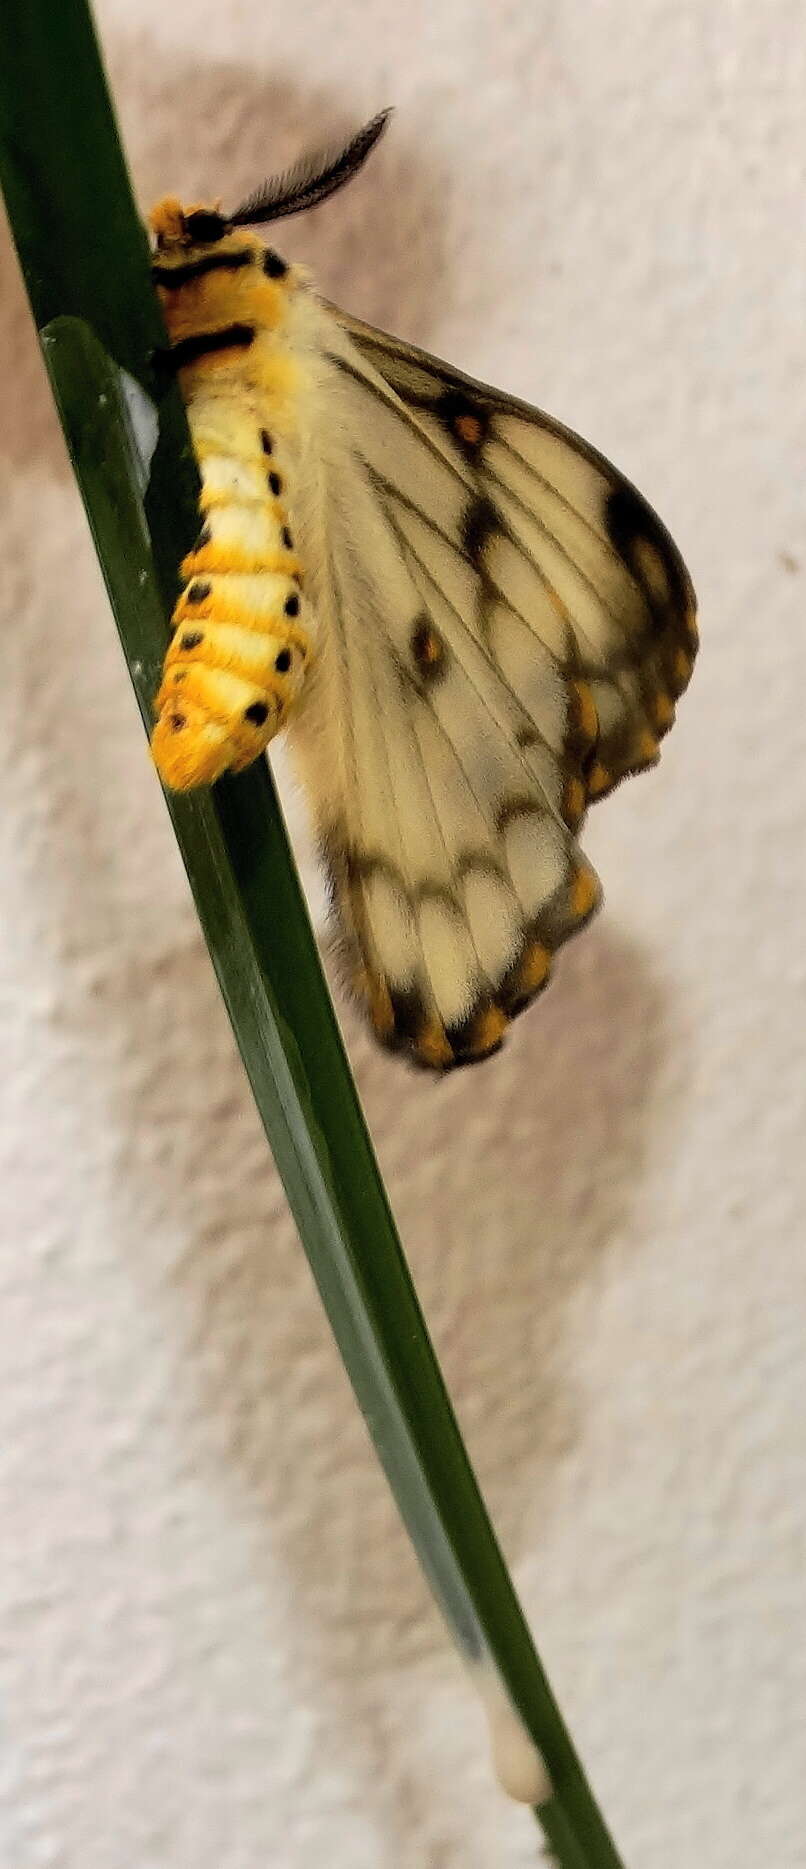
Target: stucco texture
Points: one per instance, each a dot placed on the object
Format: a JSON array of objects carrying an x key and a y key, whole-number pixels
[{"x": 217, "y": 1651}]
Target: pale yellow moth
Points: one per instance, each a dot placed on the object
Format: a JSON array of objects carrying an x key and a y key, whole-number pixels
[{"x": 472, "y": 624}]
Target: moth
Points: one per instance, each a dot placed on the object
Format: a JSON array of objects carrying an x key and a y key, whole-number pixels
[{"x": 471, "y": 623}]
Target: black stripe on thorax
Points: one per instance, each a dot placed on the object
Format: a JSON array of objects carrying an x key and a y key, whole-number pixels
[
  {"x": 229, "y": 337},
  {"x": 172, "y": 276}
]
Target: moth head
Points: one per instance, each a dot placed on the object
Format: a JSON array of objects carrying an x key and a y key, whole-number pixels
[
  {"x": 172, "y": 226},
  {"x": 309, "y": 182}
]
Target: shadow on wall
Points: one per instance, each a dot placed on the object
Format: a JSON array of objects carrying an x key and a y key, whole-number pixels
[
  {"x": 507, "y": 1182},
  {"x": 377, "y": 249}
]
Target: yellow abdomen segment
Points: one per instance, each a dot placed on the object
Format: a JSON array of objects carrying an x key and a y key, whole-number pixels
[
  {"x": 238, "y": 653},
  {"x": 240, "y": 640}
]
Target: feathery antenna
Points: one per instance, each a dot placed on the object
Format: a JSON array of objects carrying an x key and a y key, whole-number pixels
[{"x": 310, "y": 181}]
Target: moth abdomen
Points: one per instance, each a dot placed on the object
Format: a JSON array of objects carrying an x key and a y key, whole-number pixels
[
  {"x": 241, "y": 638},
  {"x": 233, "y": 670}
]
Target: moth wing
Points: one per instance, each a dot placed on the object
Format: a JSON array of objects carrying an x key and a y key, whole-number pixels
[
  {"x": 499, "y": 614},
  {"x": 596, "y": 548}
]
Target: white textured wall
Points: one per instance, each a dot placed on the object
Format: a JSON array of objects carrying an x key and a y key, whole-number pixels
[{"x": 216, "y": 1649}]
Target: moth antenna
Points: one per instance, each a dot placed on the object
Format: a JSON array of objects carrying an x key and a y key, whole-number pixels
[{"x": 310, "y": 181}]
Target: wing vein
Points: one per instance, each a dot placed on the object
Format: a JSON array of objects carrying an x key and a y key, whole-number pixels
[
  {"x": 376, "y": 386},
  {"x": 421, "y": 572},
  {"x": 600, "y": 541},
  {"x": 390, "y": 786}
]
